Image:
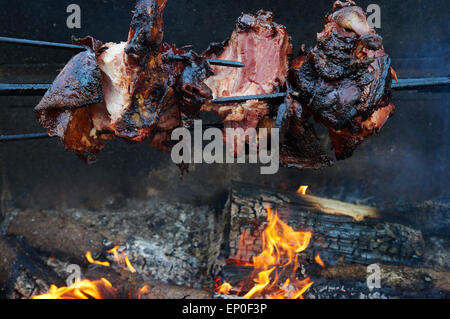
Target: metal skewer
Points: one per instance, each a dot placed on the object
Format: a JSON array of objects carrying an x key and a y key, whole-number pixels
[
  {"x": 66, "y": 46},
  {"x": 420, "y": 83},
  {"x": 403, "y": 84},
  {"x": 23, "y": 137},
  {"x": 7, "y": 89},
  {"x": 233, "y": 64},
  {"x": 40, "y": 136},
  {"x": 42, "y": 44}
]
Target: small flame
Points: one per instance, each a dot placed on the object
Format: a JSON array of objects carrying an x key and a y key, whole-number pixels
[
  {"x": 97, "y": 289},
  {"x": 129, "y": 265},
  {"x": 114, "y": 252},
  {"x": 92, "y": 261},
  {"x": 144, "y": 290},
  {"x": 121, "y": 258},
  {"x": 302, "y": 190},
  {"x": 224, "y": 289},
  {"x": 394, "y": 74},
  {"x": 319, "y": 260}
]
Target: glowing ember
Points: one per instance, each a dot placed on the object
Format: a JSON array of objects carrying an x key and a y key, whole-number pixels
[
  {"x": 302, "y": 190},
  {"x": 275, "y": 268}
]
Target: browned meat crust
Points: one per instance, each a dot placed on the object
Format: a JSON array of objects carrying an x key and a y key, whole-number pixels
[
  {"x": 147, "y": 29},
  {"x": 62, "y": 110},
  {"x": 300, "y": 145},
  {"x": 345, "y": 78},
  {"x": 78, "y": 84}
]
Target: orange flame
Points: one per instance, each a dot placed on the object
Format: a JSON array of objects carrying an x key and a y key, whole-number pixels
[
  {"x": 302, "y": 190},
  {"x": 224, "y": 289},
  {"x": 144, "y": 290},
  {"x": 92, "y": 261},
  {"x": 394, "y": 74},
  {"x": 98, "y": 289},
  {"x": 319, "y": 261},
  {"x": 129, "y": 265},
  {"x": 121, "y": 258},
  {"x": 279, "y": 259},
  {"x": 85, "y": 289}
]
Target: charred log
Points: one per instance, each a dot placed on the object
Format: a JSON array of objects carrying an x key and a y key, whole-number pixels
[
  {"x": 55, "y": 235},
  {"x": 22, "y": 272},
  {"x": 341, "y": 231},
  {"x": 349, "y": 281}
]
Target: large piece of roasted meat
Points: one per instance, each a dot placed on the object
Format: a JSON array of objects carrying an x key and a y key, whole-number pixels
[
  {"x": 345, "y": 80},
  {"x": 265, "y": 48}
]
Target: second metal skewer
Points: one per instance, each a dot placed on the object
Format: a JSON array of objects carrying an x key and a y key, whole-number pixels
[{"x": 67, "y": 46}]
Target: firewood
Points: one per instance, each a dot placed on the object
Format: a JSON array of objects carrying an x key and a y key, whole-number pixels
[
  {"x": 350, "y": 282},
  {"x": 56, "y": 235},
  {"x": 130, "y": 286},
  {"x": 341, "y": 231},
  {"x": 22, "y": 272}
]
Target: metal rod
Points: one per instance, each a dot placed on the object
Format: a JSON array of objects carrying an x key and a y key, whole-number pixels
[
  {"x": 419, "y": 83},
  {"x": 23, "y": 137},
  {"x": 234, "y": 64},
  {"x": 238, "y": 99},
  {"x": 7, "y": 89},
  {"x": 39, "y": 136},
  {"x": 66, "y": 46},
  {"x": 42, "y": 44},
  {"x": 403, "y": 84}
]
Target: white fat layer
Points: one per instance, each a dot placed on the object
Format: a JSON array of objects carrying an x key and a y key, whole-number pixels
[{"x": 117, "y": 78}]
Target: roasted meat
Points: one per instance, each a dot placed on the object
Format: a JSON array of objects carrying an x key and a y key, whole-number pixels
[
  {"x": 300, "y": 146},
  {"x": 131, "y": 88},
  {"x": 150, "y": 93},
  {"x": 265, "y": 48},
  {"x": 62, "y": 110},
  {"x": 345, "y": 79},
  {"x": 135, "y": 91},
  {"x": 146, "y": 94}
]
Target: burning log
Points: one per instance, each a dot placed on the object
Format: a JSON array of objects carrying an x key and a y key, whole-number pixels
[
  {"x": 350, "y": 282},
  {"x": 22, "y": 272},
  {"x": 165, "y": 243},
  {"x": 133, "y": 286},
  {"x": 341, "y": 231},
  {"x": 56, "y": 235}
]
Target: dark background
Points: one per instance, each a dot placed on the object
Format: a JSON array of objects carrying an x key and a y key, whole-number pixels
[{"x": 408, "y": 161}]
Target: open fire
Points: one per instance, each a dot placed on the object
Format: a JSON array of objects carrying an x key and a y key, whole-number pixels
[
  {"x": 275, "y": 270},
  {"x": 96, "y": 289}
]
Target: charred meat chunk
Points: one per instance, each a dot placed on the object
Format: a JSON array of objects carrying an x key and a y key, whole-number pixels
[
  {"x": 147, "y": 29},
  {"x": 300, "y": 146},
  {"x": 63, "y": 112},
  {"x": 346, "y": 77}
]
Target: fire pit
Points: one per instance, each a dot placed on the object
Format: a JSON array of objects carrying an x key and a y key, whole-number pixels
[{"x": 131, "y": 226}]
